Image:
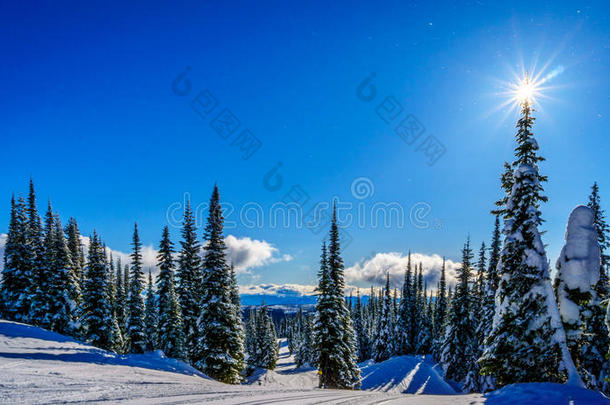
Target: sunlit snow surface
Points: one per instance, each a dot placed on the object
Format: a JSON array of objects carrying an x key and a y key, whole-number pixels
[{"x": 41, "y": 367}]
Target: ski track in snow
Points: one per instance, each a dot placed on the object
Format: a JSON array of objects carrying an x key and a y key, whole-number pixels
[{"x": 42, "y": 367}]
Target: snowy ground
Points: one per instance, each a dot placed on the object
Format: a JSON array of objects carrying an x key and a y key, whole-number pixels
[{"x": 38, "y": 366}]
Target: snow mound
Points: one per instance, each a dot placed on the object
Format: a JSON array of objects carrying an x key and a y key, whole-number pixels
[
  {"x": 405, "y": 374},
  {"x": 20, "y": 342},
  {"x": 544, "y": 393}
]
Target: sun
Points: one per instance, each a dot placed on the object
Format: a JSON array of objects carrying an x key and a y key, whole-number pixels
[{"x": 525, "y": 90}]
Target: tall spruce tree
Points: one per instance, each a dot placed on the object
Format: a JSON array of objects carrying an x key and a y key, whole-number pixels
[
  {"x": 364, "y": 350},
  {"x": 406, "y": 309},
  {"x": 383, "y": 348},
  {"x": 440, "y": 315},
  {"x": 62, "y": 291},
  {"x": 219, "y": 351},
  {"x": 42, "y": 300},
  {"x": 188, "y": 280},
  {"x": 76, "y": 252},
  {"x": 597, "y": 326},
  {"x": 35, "y": 239},
  {"x": 136, "y": 328},
  {"x": 337, "y": 350},
  {"x": 527, "y": 341},
  {"x": 151, "y": 315},
  {"x": 120, "y": 308},
  {"x": 457, "y": 356},
  {"x": 170, "y": 329},
  {"x": 97, "y": 313},
  {"x": 17, "y": 280}
]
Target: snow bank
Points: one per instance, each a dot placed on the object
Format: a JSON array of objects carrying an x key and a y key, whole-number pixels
[
  {"x": 21, "y": 341},
  {"x": 544, "y": 393},
  {"x": 405, "y": 374}
]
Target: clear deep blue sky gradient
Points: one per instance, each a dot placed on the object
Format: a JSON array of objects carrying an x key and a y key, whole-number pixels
[{"x": 87, "y": 109}]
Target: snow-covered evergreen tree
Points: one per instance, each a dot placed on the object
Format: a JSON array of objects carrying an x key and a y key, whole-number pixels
[
  {"x": 219, "y": 351},
  {"x": 597, "y": 326},
  {"x": 362, "y": 335},
  {"x": 189, "y": 279},
  {"x": 76, "y": 252},
  {"x": 424, "y": 330},
  {"x": 43, "y": 274},
  {"x": 35, "y": 239},
  {"x": 97, "y": 313},
  {"x": 120, "y": 309},
  {"x": 63, "y": 292},
  {"x": 440, "y": 313},
  {"x": 151, "y": 321},
  {"x": 577, "y": 277},
  {"x": 383, "y": 348},
  {"x": 265, "y": 343},
  {"x": 170, "y": 329},
  {"x": 17, "y": 279},
  {"x": 406, "y": 309},
  {"x": 457, "y": 356},
  {"x": 136, "y": 328},
  {"x": 527, "y": 341},
  {"x": 336, "y": 344}
]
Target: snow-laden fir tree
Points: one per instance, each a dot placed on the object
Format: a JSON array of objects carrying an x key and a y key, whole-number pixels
[
  {"x": 265, "y": 348},
  {"x": 362, "y": 335},
  {"x": 475, "y": 382},
  {"x": 151, "y": 321},
  {"x": 305, "y": 355},
  {"x": 42, "y": 274},
  {"x": 170, "y": 328},
  {"x": 136, "y": 328},
  {"x": 598, "y": 327},
  {"x": 219, "y": 351},
  {"x": 76, "y": 251},
  {"x": 457, "y": 354},
  {"x": 17, "y": 280},
  {"x": 424, "y": 330},
  {"x": 335, "y": 340},
  {"x": 527, "y": 341},
  {"x": 189, "y": 279},
  {"x": 35, "y": 239},
  {"x": 577, "y": 276},
  {"x": 250, "y": 340},
  {"x": 406, "y": 308},
  {"x": 120, "y": 309},
  {"x": 440, "y": 313},
  {"x": 603, "y": 238},
  {"x": 63, "y": 292},
  {"x": 383, "y": 348},
  {"x": 97, "y": 317}
]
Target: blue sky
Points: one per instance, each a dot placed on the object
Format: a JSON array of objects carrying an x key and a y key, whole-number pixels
[{"x": 87, "y": 108}]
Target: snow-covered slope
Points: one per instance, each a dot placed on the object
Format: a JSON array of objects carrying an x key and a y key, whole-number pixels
[
  {"x": 41, "y": 367},
  {"x": 404, "y": 374}
]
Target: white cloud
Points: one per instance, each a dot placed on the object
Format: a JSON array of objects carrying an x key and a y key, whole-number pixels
[
  {"x": 247, "y": 254},
  {"x": 373, "y": 270},
  {"x": 281, "y": 290},
  {"x": 3, "y": 237}
]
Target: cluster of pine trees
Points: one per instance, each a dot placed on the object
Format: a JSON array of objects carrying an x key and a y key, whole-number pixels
[
  {"x": 192, "y": 311},
  {"x": 504, "y": 322},
  {"x": 261, "y": 339}
]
